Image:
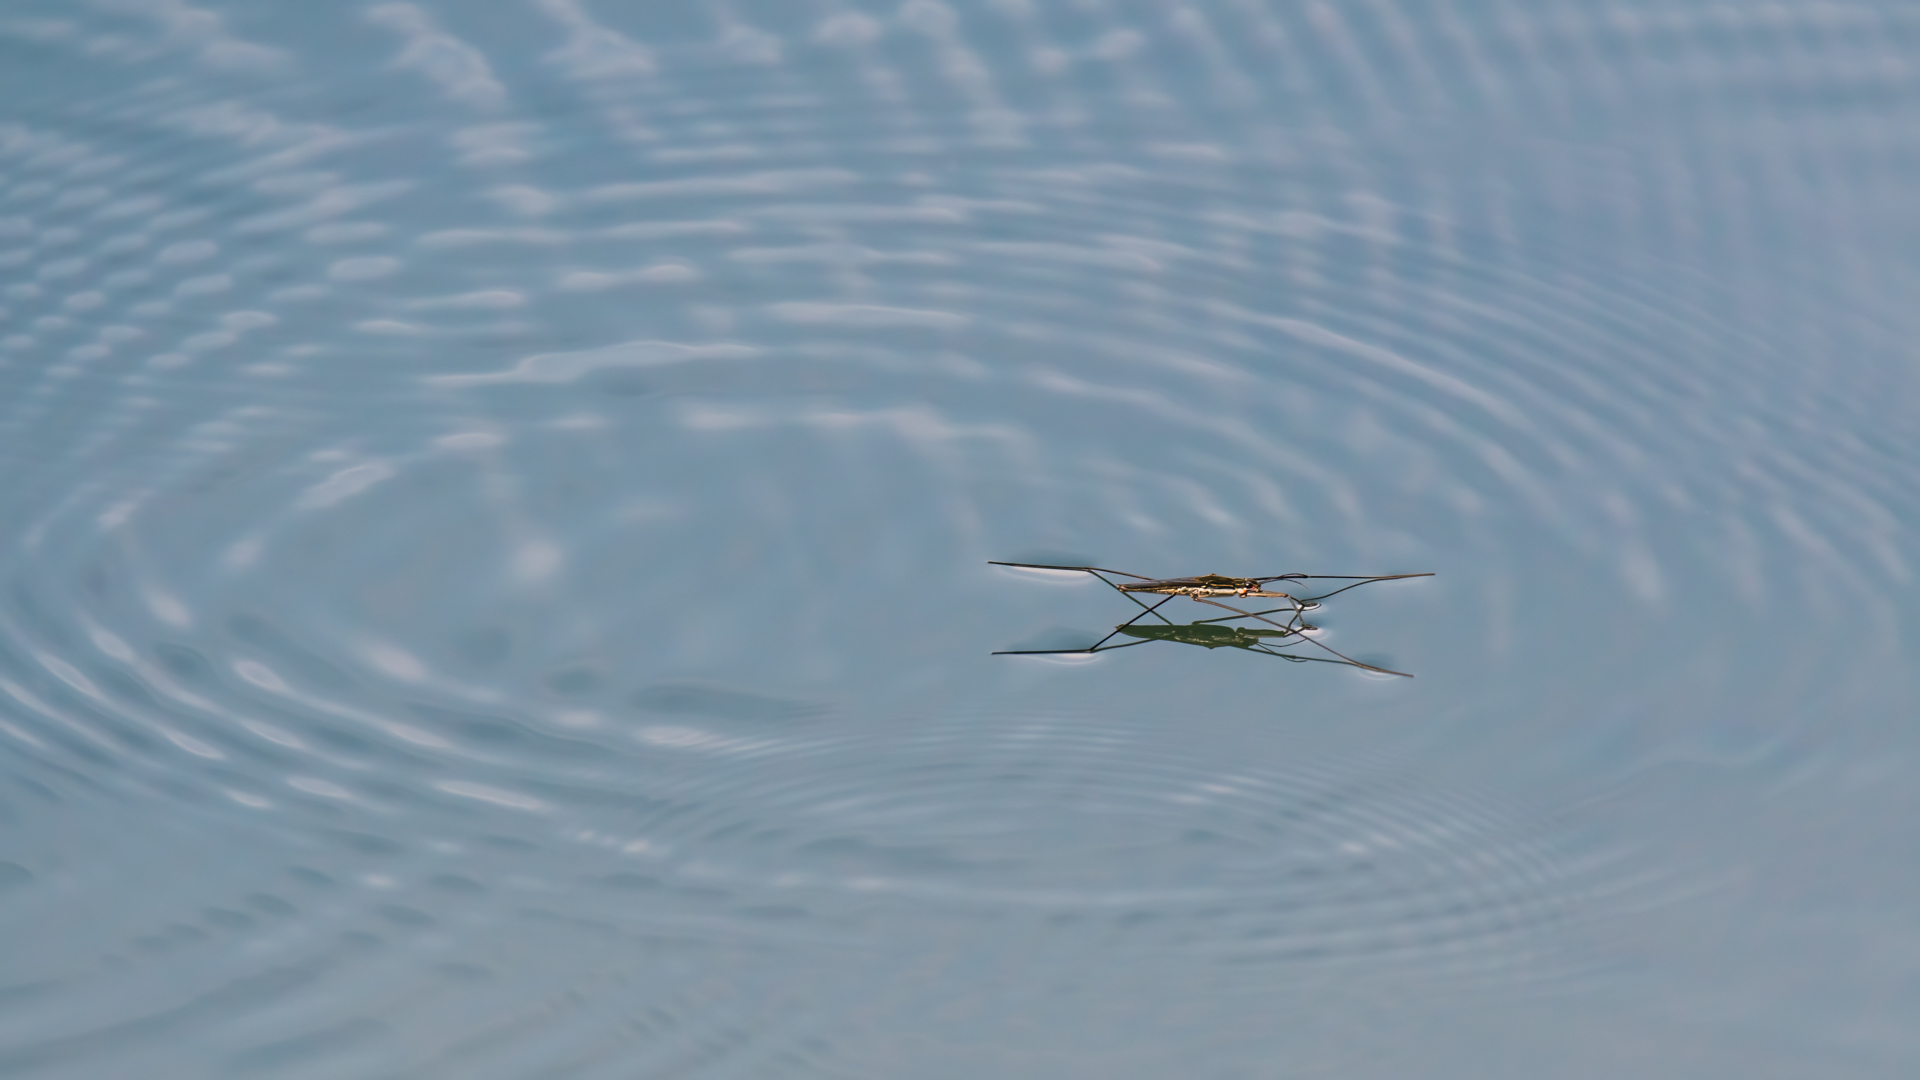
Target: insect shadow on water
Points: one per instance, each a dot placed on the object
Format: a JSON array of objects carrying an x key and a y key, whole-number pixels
[{"x": 1213, "y": 633}]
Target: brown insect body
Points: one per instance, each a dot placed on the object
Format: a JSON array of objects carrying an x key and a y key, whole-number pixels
[{"x": 1203, "y": 586}]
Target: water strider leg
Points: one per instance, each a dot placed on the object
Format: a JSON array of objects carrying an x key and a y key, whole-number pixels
[
  {"x": 1136, "y": 600},
  {"x": 1238, "y": 614},
  {"x": 1310, "y": 641},
  {"x": 1086, "y": 569},
  {"x": 1148, "y": 611},
  {"x": 1362, "y": 581},
  {"x": 1133, "y": 620},
  {"x": 1062, "y": 652},
  {"x": 1269, "y": 611}
]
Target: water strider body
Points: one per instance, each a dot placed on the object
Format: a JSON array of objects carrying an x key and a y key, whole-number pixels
[
  {"x": 1204, "y": 586},
  {"x": 1208, "y": 633}
]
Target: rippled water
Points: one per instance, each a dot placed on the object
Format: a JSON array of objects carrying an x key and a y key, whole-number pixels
[{"x": 496, "y": 502}]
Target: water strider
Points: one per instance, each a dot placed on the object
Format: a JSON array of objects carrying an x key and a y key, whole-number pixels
[{"x": 1209, "y": 633}]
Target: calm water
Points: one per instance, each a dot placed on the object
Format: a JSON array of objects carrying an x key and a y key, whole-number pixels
[{"x": 496, "y": 498}]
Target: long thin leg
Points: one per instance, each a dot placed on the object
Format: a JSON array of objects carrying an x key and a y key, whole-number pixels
[
  {"x": 1146, "y": 610},
  {"x": 1322, "y": 660},
  {"x": 1284, "y": 656},
  {"x": 1255, "y": 614},
  {"x": 1096, "y": 571},
  {"x": 1351, "y": 660},
  {"x": 1059, "y": 652},
  {"x": 1291, "y": 625},
  {"x": 1238, "y": 614},
  {"x": 1096, "y": 646},
  {"x": 1133, "y": 620},
  {"x": 1347, "y": 577},
  {"x": 1310, "y": 641},
  {"x": 1089, "y": 569},
  {"x": 1357, "y": 584},
  {"x": 1136, "y": 600}
]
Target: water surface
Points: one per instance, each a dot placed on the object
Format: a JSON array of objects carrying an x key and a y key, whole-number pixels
[{"x": 497, "y": 501}]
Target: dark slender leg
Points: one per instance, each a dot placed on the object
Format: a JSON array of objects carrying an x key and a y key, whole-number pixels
[
  {"x": 1238, "y": 614},
  {"x": 1088, "y": 569},
  {"x": 1133, "y": 620},
  {"x": 1062, "y": 652},
  {"x": 1136, "y": 600},
  {"x": 1365, "y": 581},
  {"x": 1283, "y": 656},
  {"x": 1310, "y": 641},
  {"x": 1356, "y": 663},
  {"x": 1254, "y": 614},
  {"x": 1148, "y": 611}
]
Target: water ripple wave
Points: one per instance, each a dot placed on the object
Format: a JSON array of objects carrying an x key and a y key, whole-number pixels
[{"x": 510, "y": 493}]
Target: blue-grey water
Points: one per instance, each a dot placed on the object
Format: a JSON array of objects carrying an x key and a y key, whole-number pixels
[{"x": 495, "y": 500}]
